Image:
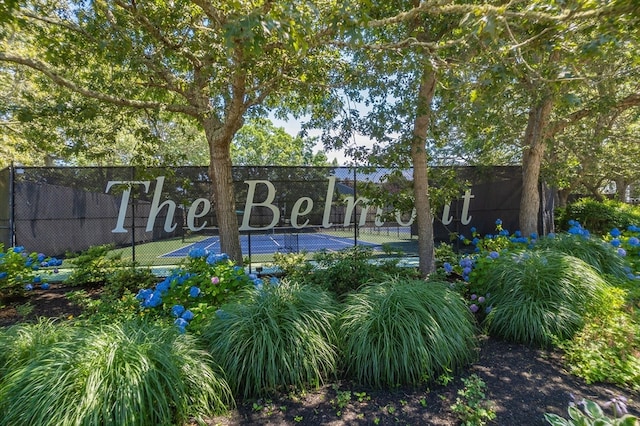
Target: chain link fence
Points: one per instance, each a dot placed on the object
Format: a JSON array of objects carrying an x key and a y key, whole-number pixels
[{"x": 155, "y": 216}]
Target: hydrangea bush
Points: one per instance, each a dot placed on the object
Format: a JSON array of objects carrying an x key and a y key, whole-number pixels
[
  {"x": 195, "y": 291},
  {"x": 19, "y": 271}
]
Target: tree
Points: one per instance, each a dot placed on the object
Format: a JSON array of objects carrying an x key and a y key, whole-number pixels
[
  {"x": 260, "y": 143},
  {"x": 213, "y": 61}
]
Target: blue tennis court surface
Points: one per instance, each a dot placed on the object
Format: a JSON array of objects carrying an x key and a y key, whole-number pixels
[{"x": 272, "y": 243}]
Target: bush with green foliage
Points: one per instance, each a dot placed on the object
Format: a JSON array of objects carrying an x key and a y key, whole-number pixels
[
  {"x": 346, "y": 270},
  {"x": 598, "y": 216},
  {"x": 275, "y": 337},
  {"x": 537, "y": 295},
  {"x": 606, "y": 350},
  {"x": 18, "y": 271},
  {"x": 592, "y": 415},
  {"x": 471, "y": 406},
  {"x": 92, "y": 266},
  {"x": 192, "y": 293},
  {"x": 120, "y": 374},
  {"x": 404, "y": 332}
]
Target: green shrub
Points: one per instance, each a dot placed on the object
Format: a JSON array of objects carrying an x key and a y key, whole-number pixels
[
  {"x": 92, "y": 266},
  {"x": 600, "y": 255},
  {"x": 275, "y": 337},
  {"x": 18, "y": 271},
  {"x": 347, "y": 270},
  {"x": 606, "y": 350},
  {"x": 404, "y": 332},
  {"x": 120, "y": 374},
  {"x": 192, "y": 293},
  {"x": 538, "y": 295},
  {"x": 599, "y": 217}
]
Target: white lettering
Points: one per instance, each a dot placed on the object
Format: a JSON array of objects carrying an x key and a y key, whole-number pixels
[
  {"x": 328, "y": 201},
  {"x": 156, "y": 206},
  {"x": 466, "y": 219},
  {"x": 446, "y": 219},
  {"x": 351, "y": 205},
  {"x": 122, "y": 213},
  {"x": 192, "y": 215},
  {"x": 295, "y": 212},
  {"x": 399, "y": 218},
  {"x": 271, "y": 195}
]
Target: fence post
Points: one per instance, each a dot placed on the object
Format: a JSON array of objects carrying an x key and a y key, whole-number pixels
[
  {"x": 354, "y": 212},
  {"x": 12, "y": 203},
  {"x": 133, "y": 218}
]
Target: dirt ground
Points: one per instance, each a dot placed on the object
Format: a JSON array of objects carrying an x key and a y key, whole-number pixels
[{"x": 521, "y": 384}]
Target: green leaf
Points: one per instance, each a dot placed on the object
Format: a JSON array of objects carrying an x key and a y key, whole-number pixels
[
  {"x": 555, "y": 420},
  {"x": 593, "y": 410}
]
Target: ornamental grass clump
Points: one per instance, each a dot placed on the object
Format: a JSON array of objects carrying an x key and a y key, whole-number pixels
[
  {"x": 600, "y": 255},
  {"x": 405, "y": 332},
  {"x": 119, "y": 374},
  {"x": 275, "y": 337},
  {"x": 539, "y": 295},
  {"x": 21, "y": 343}
]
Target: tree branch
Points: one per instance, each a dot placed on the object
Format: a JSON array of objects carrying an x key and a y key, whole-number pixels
[{"x": 115, "y": 100}]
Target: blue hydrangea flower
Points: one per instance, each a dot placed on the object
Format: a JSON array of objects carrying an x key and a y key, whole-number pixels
[
  {"x": 144, "y": 294},
  {"x": 154, "y": 300},
  {"x": 187, "y": 315},
  {"x": 28, "y": 287},
  {"x": 615, "y": 232},
  {"x": 615, "y": 242},
  {"x": 194, "y": 291},
  {"x": 475, "y": 241},
  {"x": 3, "y": 275},
  {"x": 163, "y": 286},
  {"x": 534, "y": 236},
  {"x": 258, "y": 283},
  {"x": 473, "y": 229},
  {"x": 197, "y": 252},
  {"x": 517, "y": 234},
  {"x": 181, "y": 324},
  {"x": 37, "y": 279},
  {"x": 18, "y": 249},
  {"x": 447, "y": 267},
  {"x": 634, "y": 242},
  {"x": 498, "y": 222},
  {"x": 177, "y": 310},
  {"x": 473, "y": 308},
  {"x": 494, "y": 255},
  {"x": 44, "y": 286},
  {"x": 551, "y": 235},
  {"x": 622, "y": 252}
]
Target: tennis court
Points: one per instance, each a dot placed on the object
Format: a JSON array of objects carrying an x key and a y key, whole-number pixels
[{"x": 272, "y": 242}]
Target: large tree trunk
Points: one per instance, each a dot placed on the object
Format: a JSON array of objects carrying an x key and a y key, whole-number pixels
[
  {"x": 424, "y": 220},
  {"x": 534, "y": 147},
  {"x": 223, "y": 194}
]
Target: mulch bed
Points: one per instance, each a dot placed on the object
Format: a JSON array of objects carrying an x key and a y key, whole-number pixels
[{"x": 522, "y": 384}]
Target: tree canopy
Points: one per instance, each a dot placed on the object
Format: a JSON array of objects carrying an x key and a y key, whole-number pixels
[{"x": 549, "y": 84}]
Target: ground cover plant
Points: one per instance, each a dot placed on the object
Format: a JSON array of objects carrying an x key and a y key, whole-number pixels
[{"x": 391, "y": 349}]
